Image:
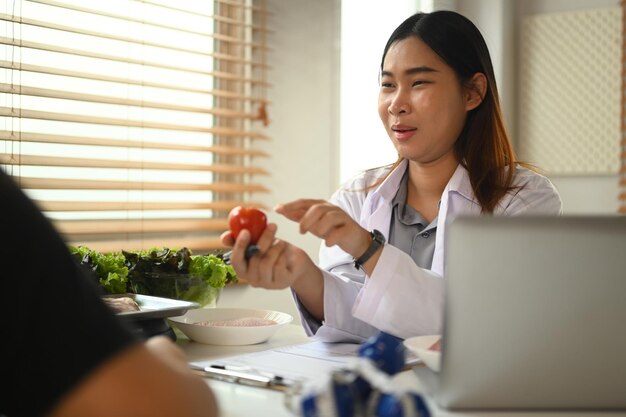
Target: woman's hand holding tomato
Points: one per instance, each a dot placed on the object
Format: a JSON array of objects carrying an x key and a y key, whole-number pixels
[{"x": 276, "y": 265}]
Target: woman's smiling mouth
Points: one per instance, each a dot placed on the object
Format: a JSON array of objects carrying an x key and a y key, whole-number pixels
[{"x": 403, "y": 132}]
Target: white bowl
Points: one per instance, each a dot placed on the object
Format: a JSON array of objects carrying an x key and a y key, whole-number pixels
[
  {"x": 229, "y": 335},
  {"x": 420, "y": 345}
]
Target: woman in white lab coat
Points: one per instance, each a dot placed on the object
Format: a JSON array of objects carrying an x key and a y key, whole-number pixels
[{"x": 381, "y": 259}]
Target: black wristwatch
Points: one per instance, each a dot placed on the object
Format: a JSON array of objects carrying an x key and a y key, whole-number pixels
[{"x": 377, "y": 241}]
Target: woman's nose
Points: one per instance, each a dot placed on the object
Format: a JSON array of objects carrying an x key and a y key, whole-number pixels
[{"x": 398, "y": 105}]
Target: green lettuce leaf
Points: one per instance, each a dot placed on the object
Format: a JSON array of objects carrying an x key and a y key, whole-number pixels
[
  {"x": 121, "y": 272},
  {"x": 109, "y": 268},
  {"x": 213, "y": 270}
]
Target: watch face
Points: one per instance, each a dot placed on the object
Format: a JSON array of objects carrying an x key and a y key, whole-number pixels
[
  {"x": 378, "y": 239},
  {"x": 378, "y": 236}
]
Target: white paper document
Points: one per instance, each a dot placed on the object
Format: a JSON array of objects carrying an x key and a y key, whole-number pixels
[{"x": 292, "y": 363}]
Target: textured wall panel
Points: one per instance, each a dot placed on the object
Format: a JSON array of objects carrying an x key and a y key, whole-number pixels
[{"x": 570, "y": 91}]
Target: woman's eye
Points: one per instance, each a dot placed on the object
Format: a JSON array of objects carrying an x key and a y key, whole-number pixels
[
  {"x": 386, "y": 85},
  {"x": 417, "y": 83}
]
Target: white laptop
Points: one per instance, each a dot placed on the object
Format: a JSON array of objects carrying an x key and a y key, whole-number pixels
[{"x": 535, "y": 315}]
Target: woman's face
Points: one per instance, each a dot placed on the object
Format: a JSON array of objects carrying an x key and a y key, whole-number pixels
[{"x": 421, "y": 102}]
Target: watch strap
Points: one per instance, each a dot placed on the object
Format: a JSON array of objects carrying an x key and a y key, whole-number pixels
[{"x": 378, "y": 240}]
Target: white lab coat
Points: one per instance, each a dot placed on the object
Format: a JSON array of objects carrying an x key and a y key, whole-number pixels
[{"x": 400, "y": 297}]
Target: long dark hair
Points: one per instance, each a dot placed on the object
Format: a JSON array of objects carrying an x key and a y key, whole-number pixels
[{"x": 483, "y": 147}]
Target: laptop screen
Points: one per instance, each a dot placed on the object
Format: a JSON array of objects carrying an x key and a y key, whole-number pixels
[{"x": 535, "y": 313}]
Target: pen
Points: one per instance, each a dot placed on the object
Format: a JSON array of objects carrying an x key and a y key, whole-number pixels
[
  {"x": 241, "y": 375},
  {"x": 276, "y": 379},
  {"x": 251, "y": 250},
  {"x": 230, "y": 375}
]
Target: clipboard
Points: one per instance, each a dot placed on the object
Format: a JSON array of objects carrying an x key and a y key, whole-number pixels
[{"x": 285, "y": 366}]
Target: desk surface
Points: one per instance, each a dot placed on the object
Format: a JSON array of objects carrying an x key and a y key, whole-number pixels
[{"x": 240, "y": 400}]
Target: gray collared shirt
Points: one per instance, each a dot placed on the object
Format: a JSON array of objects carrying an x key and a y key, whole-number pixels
[{"x": 409, "y": 231}]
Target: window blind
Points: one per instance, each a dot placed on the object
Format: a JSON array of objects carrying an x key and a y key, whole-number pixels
[{"x": 135, "y": 124}]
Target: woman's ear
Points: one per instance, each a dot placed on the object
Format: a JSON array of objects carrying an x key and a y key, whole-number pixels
[{"x": 476, "y": 90}]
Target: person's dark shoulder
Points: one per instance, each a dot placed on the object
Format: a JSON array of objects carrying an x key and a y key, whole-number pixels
[
  {"x": 38, "y": 260},
  {"x": 21, "y": 219},
  {"x": 63, "y": 327}
]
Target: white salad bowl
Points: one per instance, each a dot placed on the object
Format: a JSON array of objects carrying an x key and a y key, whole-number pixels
[{"x": 221, "y": 330}]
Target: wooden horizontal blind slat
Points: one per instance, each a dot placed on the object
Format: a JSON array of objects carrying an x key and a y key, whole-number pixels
[
  {"x": 216, "y": 36},
  {"x": 48, "y": 25},
  {"x": 106, "y": 163},
  {"x": 105, "y": 77},
  {"x": 135, "y": 125},
  {"x": 64, "y": 117},
  {"x": 244, "y": 6},
  {"x": 140, "y": 226},
  {"x": 71, "y": 184},
  {"x": 69, "y": 95},
  {"x": 197, "y": 244},
  {"x": 221, "y": 18},
  {"x": 83, "y": 140},
  {"x": 93, "y": 54},
  {"x": 224, "y": 206}
]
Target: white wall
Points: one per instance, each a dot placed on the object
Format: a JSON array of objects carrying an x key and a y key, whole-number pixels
[
  {"x": 499, "y": 20},
  {"x": 365, "y": 28},
  {"x": 581, "y": 194}
]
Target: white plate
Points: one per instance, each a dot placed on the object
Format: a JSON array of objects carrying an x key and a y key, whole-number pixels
[
  {"x": 420, "y": 346},
  {"x": 229, "y": 335},
  {"x": 151, "y": 307}
]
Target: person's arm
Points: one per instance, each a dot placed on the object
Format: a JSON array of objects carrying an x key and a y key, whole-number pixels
[
  {"x": 277, "y": 265},
  {"x": 335, "y": 227},
  {"x": 408, "y": 302},
  {"x": 145, "y": 379},
  {"x": 310, "y": 292}
]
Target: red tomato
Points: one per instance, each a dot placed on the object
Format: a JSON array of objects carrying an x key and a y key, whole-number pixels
[{"x": 250, "y": 218}]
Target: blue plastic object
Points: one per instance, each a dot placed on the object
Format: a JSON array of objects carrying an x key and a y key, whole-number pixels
[
  {"x": 392, "y": 406},
  {"x": 386, "y": 351},
  {"x": 308, "y": 406},
  {"x": 351, "y": 393},
  {"x": 345, "y": 398}
]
